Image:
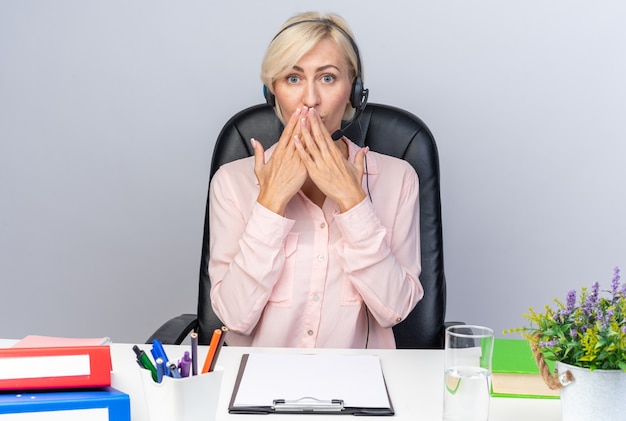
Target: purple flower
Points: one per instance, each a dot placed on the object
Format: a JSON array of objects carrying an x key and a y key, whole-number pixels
[
  {"x": 606, "y": 322},
  {"x": 592, "y": 299},
  {"x": 548, "y": 344},
  {"x": 570, "y": 304},
  {"x": 615, "y": 284},
  {"x": 571, "y": 300},
  {"x": 615, "y": 281}
]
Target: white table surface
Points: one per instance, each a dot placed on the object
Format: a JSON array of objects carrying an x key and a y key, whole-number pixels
[{"x": 414, "y": 380}]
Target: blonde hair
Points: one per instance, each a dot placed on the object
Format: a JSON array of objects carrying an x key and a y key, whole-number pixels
[{"x": 299, "y": 35}]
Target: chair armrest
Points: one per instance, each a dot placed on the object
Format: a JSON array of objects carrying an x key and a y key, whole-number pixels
[
  {"x": 448, "y": 324},
  {"x": 175, "y": 330}
]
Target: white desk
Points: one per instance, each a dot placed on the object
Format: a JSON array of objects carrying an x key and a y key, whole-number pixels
[{"x": 414, "y": 380}]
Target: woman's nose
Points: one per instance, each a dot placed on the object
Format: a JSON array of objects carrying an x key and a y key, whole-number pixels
[{"x": 311, "y": 96}]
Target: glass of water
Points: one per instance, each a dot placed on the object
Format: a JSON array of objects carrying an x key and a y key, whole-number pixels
[{"x": 467, "y": 373}]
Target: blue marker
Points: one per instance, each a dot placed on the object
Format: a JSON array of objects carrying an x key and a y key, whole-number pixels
[
  {"x": 173, "y": 370},
  {"x": 158, "y": 352},
  {"x": 160, "y": 366}
]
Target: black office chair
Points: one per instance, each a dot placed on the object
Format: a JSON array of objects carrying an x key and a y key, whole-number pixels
[{"x": 384, "y": 129}]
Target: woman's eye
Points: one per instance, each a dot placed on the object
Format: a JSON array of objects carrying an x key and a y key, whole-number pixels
[
  {"x": 328, "y": 78},
  {"x": 293, "y": 79}
]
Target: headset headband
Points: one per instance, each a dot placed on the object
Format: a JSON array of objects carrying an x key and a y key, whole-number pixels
[{"x": 328, "y": 22}]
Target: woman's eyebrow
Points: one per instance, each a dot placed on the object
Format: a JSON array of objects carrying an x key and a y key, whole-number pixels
[{"x": 319, "y": 69}]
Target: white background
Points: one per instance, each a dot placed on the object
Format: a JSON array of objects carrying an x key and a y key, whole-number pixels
[{"x": 109, "y": 111}]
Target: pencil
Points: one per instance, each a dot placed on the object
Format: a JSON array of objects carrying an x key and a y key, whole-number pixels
[
  {"x": 219, "y": 348},
  {"x": 194, "y": 353},
  {"x": 214, "y": 346}
]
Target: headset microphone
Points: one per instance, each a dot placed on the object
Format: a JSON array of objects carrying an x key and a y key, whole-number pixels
[{"x": 338, "y": 134}]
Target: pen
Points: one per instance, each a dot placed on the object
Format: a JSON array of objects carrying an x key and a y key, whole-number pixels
[
  {"x": 158, "y": 352},
  {"x": 173, "y": 369},
  {"x": 194, "y": 353},
  {"x": 217, "y": 341},
  {"x": 160, "y": 367},
  {"x": 184, "y": 365},
  {"x": 144, "y": 361}
]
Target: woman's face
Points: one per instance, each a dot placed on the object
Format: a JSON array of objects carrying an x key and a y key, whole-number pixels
[{"x": 320, "y": 80}]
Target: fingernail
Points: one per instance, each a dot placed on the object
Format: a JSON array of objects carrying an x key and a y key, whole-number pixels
[
  {"x": 312, "y": 110},
  {"x": 297, "y": 112},
  {"x": 253, "y": 142}
]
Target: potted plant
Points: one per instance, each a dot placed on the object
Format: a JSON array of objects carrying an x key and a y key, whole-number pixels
[{"x": 586, "y": 336}]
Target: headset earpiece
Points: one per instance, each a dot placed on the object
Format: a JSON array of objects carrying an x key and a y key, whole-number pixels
[
  {"x": 358, "y": 93},
  {"x": 269, "y": 97}
]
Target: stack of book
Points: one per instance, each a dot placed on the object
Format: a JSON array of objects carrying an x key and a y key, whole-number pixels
[
  {"x": 515, "y": 373},
  {"x": 60, "y": 379}
]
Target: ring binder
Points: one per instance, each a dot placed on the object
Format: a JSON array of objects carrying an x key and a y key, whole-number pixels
[{"x": 308, "y": 404}]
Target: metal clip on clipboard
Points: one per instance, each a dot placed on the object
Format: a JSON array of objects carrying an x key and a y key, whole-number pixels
[{"x": 308, "y": 404}]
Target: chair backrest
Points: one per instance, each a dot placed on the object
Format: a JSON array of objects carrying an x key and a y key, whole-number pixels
[{"x": 384, "y": 129}]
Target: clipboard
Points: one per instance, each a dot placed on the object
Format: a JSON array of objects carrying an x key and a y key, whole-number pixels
[{"x": 310, "y": 384}]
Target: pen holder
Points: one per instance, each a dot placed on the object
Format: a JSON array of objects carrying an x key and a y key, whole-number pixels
[{"x": 183, "y": 399}]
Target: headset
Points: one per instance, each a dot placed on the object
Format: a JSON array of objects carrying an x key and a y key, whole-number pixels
[{"x": 358, "y": 95}]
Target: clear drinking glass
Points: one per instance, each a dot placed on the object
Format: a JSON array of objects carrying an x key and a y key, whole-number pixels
[{"x": 467, "y": 373}]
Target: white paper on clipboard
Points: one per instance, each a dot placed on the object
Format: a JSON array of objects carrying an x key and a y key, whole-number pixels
[{"x": 356, "y": 380}]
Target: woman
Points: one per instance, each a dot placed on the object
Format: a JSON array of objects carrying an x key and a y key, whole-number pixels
[{"x": 308, "y": 249}]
